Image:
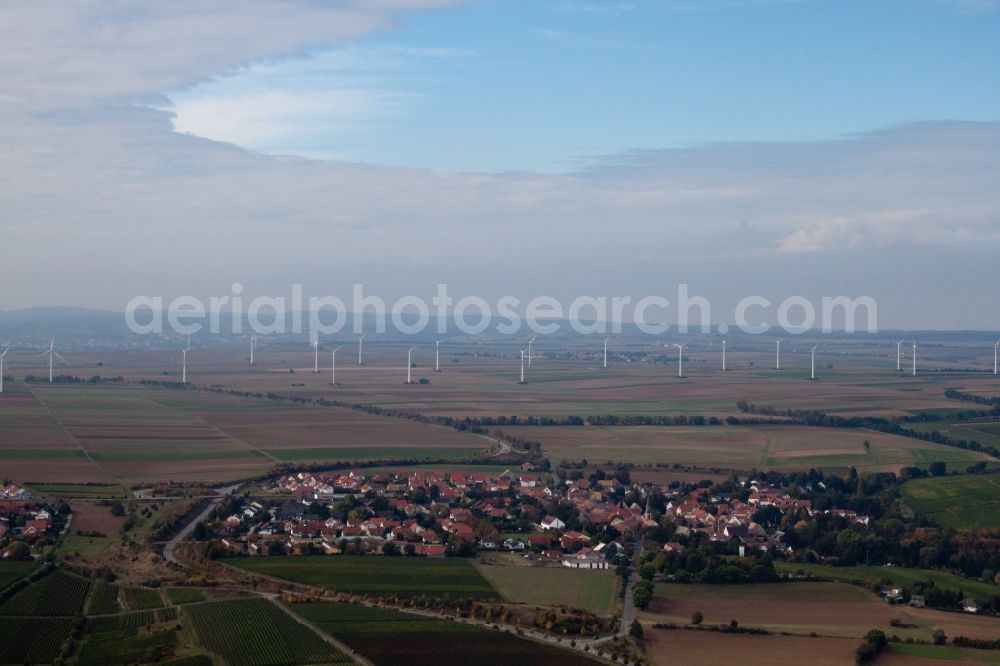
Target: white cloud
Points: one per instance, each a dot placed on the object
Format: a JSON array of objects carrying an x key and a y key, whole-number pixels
[
  {"x": 75, "y": 53},
  {"x": 101, "y": 200}
]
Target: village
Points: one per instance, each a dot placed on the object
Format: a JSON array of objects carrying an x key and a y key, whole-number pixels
[{"x": 580, "y": 523}]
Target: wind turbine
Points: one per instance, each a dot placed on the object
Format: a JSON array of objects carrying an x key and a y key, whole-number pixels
[
  {"x": 812, "y": 374},
  {"x": 914, "y": 358},
  {"x": 723, "y": 354},
  {"x": 52, "y": 352},
  {"x": 360, "y": 338},
  {"x": 680, "y": 360},
  {"x": 529, "y": 350},
  {"x": 777, "y": 357},
  {"x": 522, "y": 365},
  {"x": 437, "y": 355},
  {"x": 333, "y": 366},
  {"x": 605, "y": 352},
  {"x": 899, "y": 346},
  {"x": 184, "y": 362},
  {"x": 253, "y": 346},
  {"x": 409, "y": 364},
  {"x": 5, "y": 350},
  {"x": 996, "y": 346},
  {"x": 316, "y": 356}
]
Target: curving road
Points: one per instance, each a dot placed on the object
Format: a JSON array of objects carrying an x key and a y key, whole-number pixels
[{"x": 182, "y": 535}]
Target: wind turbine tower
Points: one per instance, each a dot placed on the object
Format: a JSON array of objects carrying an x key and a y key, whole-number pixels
[
  {"x": 723, "y": 355},
  {"x": 996, "y": 347},
  {"x": 899, "y": 356},
  {"x": 777, "y": 357},
  {"x": 5, "y": 350},
  {"x": 360, "y": 340},
  {"x": 812, "y": 373},
  {"x": 184, "y": 362},
  {"x": 316, "y": 356},
  {"x": 253, "y": 346},
  {"x": 437, "y": 356},
  {"x": 409, "y": 364},
  {"x": 522, "y": 367},
  {"x": 680, "y": 360},
  {"x": 605, "y": 352},
  {"x": 333, "y": 366},
  {"x": 914, "y": 358}
]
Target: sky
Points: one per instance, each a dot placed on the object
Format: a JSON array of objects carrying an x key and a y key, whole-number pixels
[{"x": 559, "y": 147}]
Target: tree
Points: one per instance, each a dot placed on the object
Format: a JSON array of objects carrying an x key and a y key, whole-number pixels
[
  {"x": 697, "y": 617},
  {"x": 635, "y": 630},
  {"x": 199, "y": 532},
  {"x": 939, "y": 637},
  {"x": 642, "y": 594},
  {"x": 937, "y": 468},
  {"x": 18, "y": 551}
]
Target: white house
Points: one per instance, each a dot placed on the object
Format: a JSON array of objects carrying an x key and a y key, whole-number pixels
[
  {"x": 585, "y": 558},
  {"x": 552, "y": 523}
]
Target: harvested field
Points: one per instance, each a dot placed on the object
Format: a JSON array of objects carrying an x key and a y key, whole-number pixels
[
  {"x": 681, "y": 646},
  {"x": 145, "y": 434},
  {"x": 827, "y": 609},
  {"x": 88, "y": 516},
  {"x": 738, "y": 447},
  {"x": 830, "y": 609}
]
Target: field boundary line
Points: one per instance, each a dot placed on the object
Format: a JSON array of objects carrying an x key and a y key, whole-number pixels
[
  {"x": 345, "y": 649},
  {"x": 217, "y": 429},
  {"x": 69, "y": 433}
]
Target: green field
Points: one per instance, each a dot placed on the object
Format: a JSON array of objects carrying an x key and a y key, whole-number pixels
[
  {"x": 388, "y": 637},
  {"x": 58, "y": 594},
  {"x": 897, "y": 575},
  {"x": 593, "y": 591},
  {"x": 384, "y": 576},
  {"x": 31, "y": 640},
  {"x": 964, "y": 502},
  {"x": 13, "y": 571},
  {"x": 105, "y": 623},
  {"x": 79, "y": 490},
  {"x": 256, "y": 632},
  {"x": 104, "y": 600},
  {"x": 984, "y": 432},
  {"x": 127, "y": 646},
  {"x": 74, "y": 544},
  {"x": 946, "y": 653},
  {"x": 141, "y": 598}
]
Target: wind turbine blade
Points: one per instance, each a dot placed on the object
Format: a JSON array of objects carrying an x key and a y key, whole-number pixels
[{"x": 59, "y": 356}]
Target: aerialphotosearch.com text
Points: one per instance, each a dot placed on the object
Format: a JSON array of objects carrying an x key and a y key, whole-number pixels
[{"x": 471, "y": 315}]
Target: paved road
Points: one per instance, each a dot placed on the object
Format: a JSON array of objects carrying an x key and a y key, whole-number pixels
[
  {"x": 628, "y": 607},
  {"x": 168, "y": 549}
]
